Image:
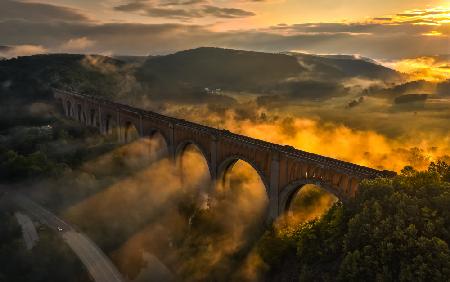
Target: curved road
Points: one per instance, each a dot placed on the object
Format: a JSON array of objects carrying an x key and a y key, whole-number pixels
[
  {"x": 29, "y": 232},
  {"x": 97, "y": 263}
]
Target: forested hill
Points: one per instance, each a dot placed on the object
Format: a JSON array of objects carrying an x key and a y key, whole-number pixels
[
  {"x": 185, "y": 75},
  {"x": 221, "y": 68},
  {"x": 254, "y": 71},
  {"x": 27, "y": 80},
  {"x": 85, "y": 73},
  {"x": 345, "y": 67}
]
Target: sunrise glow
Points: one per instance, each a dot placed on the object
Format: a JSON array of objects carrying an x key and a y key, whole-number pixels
[{"x": 224, "y": 140}]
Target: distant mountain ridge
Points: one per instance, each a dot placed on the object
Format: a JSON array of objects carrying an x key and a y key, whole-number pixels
[
  {"x": 131, "y": 59},
  {"x": 193, "y": 74},
  {"x": 257, "y": 71}
]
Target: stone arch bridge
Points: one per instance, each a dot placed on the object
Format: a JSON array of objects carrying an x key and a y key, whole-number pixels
[{"x": 282, "y": 169}]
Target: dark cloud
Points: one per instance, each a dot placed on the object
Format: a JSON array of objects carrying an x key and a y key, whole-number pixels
[
  {"x": 443, "y": 88},
  {"x": 382, "y": 19},
  {"x": 171, "y": 13},
  {"x": 125, "y": 38},
  {"x": 130, "y": 7},
  {"x": 5, "y": 48},
  {"x": 187, "y": 9},
  {"x": 226, "y": 12},
  {"x": 181, "y": 2},
  {"x": 34, "y": 11}
]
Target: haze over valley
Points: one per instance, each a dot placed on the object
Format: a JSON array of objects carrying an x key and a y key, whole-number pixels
[{"x": 151, "y": 140}]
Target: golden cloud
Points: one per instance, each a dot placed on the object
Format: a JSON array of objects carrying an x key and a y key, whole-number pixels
[{"x": 424, "y": 68}]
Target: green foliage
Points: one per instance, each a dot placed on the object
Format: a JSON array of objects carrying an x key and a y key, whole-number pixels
[
  {"x": 274, "y": 246},
  {"x": 14, "y": 166},
  {"x": 36, "y": 152},
  {"x": 27, "y": 140},
  {"x": 442, "y": 169},
  {"x": 393, "y": 230},
  {"x": 31, "y": 75},
  {"x": 28, "y": 80}
]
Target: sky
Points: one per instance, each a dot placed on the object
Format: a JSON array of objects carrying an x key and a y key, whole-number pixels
[{"x": 380, "y": 29}]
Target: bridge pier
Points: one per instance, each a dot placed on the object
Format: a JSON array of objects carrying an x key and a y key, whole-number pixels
[
  {"x": 213, "y": 158},
  {"x": 274, "y": 182},
  {"x": 118, "y": 128},
  {"x": 171, "y": 145},
  {"x": 100, "y": 121}
]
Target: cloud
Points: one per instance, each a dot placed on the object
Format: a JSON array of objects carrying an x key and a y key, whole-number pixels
[
  {"x": 373, "y": 38},
  {"x": 142, "y": 39},
  {"x": 136, "y": 5},
  {"x": 363, "y": 28},
  {"x": 181, "y": 2},
  {"x": 429, "y": 68},
  {"x": 21, "y": 50},
  {"x": 431, "y": 17},
  {"x": 33, "y": 11},
  {"x": 436, "y": 16},
  {"x": 226, "y": 12},
  {"x": 188, "y": 9},
  {"x": 76, "y": 45}
]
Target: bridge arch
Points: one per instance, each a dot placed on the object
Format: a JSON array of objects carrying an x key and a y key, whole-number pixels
[
  {"x": 81, "y": 117},
  {"x": 93, "y": 117},
  {"x": 131, "y": 133},
  {"x": 241, "y": 184},
  {"x": 158, "y": 143},
  {"x": 181, "y": 147},
  {"x": 69, "y": 108},
  {"x": 288, "y": 193},
  {"x": 230, "y": 161},
  {"x": 154, "y": 132},
  {"x": 110, "y": 124}
]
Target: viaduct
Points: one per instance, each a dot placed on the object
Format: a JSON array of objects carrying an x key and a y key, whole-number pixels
[{"x": 283, "y": 169}]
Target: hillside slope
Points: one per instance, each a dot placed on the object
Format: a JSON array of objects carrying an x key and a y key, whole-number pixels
[
  {"x": 220, "y": 68},
  {"x": 84, "y": 73},
  {"x": 345, "y": 67},
  {"x": 237, "y": 70}
]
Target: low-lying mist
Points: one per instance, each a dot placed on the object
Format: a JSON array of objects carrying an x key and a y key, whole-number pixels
[
  {"x": 164, "y": 220},
  {"x": 352, "y": 117},
  {"x": 375, "y": 133},
  {"x": 308, "y": 203}
]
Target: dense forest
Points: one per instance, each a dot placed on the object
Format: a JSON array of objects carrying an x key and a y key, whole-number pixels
[{"x": 393, "y": 230}]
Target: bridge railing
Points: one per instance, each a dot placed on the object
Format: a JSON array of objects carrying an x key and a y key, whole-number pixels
[{"x": 364, "y": 172}]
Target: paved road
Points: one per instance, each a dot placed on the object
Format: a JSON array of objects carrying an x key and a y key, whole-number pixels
[
  {"x": 29, "y": 233},
  {"x": 99, "y": 266}
]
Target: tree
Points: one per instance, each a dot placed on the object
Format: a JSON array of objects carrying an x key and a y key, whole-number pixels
[{"x": 395, "y": 229}]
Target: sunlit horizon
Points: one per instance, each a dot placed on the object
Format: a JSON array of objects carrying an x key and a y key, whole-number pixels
[{"x": 382, "y": 30}]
